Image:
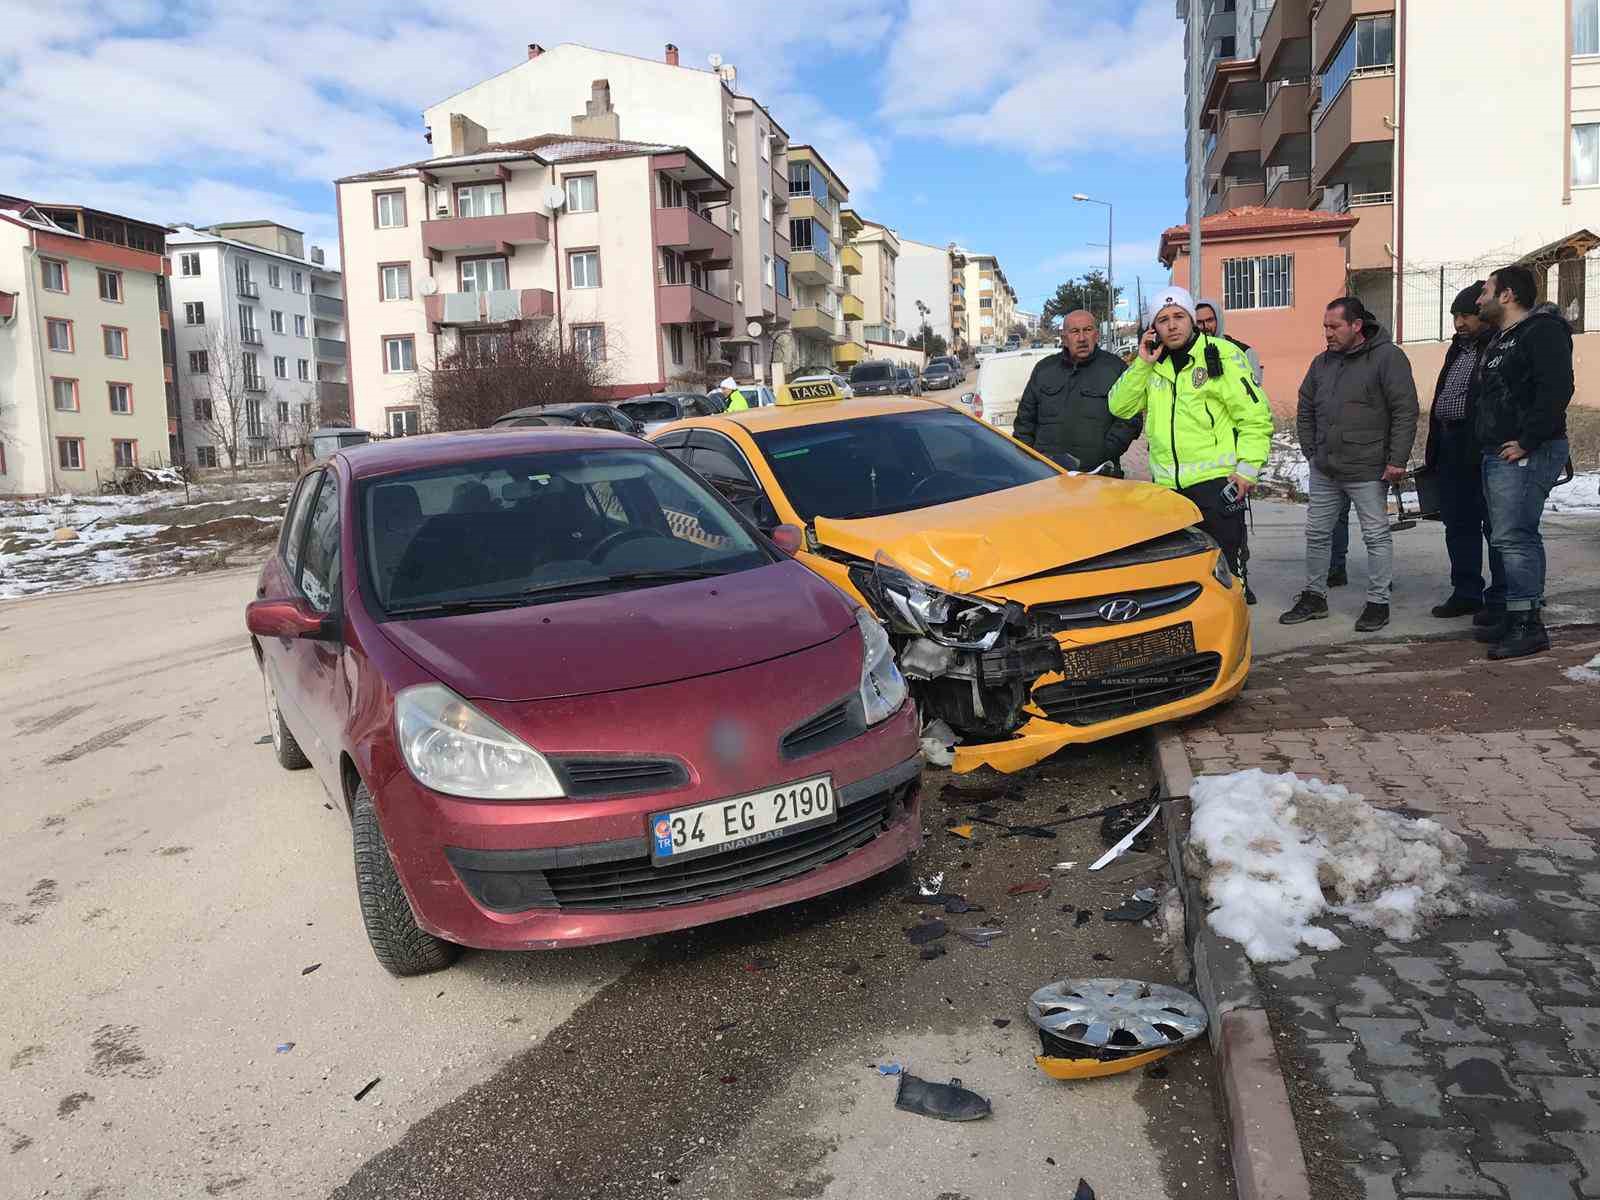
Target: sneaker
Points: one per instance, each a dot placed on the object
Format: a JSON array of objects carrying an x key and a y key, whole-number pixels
[
  {"x": 1249, "y": 596},
  {"x": 1490, "y": 614},
  {"x": 1338, "y": 577},
  {"x": 1457, "y": 607},
  {"x": 1310, "y": 607},
  {"x": 1373, "y": 616},
  {"x": 1525, "y": 634}
]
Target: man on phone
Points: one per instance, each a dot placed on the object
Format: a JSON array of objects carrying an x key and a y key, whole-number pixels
[
  {"x": 1207, "y": 424},
  {"x": 1357, "y": 419}
]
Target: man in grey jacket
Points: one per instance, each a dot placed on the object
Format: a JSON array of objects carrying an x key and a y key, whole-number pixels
[{"x": 1357, "y": 420}]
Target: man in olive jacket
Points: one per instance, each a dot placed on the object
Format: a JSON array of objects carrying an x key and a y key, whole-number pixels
[
  {"x": 1357, "y": 420},
  {"x": 1063, "y": 409}
]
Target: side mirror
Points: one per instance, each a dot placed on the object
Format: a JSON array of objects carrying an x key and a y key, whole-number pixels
[
  {"x": 288, "y": 619},
  {"x": 791, "y": 539},
  {"x": 968, "y": 397}
]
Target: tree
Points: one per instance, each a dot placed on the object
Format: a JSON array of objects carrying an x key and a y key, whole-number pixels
[
  {"x": 229, "y": 397},
  {"x": 523, "y": 365},
  {"x": 930, "y": 343},
  {"x": 1087, "y": 293},
  {"x": 1019, "y": 330}
]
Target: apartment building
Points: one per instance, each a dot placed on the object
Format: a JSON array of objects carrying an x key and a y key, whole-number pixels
[
  {"x": 610, "y": 245},
  {"x": 819, "y": 262},
  {"x": 930, "y": 285},
  {"x": 879, "y": 248},
  {"x": 598, "y": 93},
  {"x": 989, "y": 321},
  {"x": 260, "y": 339},
  {"x": 84, "y": 355}
]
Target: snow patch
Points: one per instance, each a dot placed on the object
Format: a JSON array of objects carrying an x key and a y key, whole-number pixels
[
  {"x": 1588, "y": 673},
  {"x": 1279, "y": 852}
]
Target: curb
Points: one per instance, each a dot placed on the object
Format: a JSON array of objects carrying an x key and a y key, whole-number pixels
[{"x": 1263, "y": 1142}]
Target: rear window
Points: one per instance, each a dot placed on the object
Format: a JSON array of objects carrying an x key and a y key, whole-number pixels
[
  {"x": 871, "y": 373},
  {"x": 651, "y": 410}
]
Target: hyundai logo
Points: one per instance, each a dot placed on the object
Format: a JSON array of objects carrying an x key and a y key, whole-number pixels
[{"x": 1120, "y": 611}]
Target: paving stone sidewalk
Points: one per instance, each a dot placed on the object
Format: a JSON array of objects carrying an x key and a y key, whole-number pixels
[{"x": 1465, "y": 1063}]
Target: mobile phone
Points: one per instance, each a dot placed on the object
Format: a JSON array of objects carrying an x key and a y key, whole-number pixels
[
  {"x": 1230, "y": 492},
  {"x": 1151, "y": 339}
]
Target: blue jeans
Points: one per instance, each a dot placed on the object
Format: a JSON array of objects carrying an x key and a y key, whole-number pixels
[{"x": 1515, "y": 494}]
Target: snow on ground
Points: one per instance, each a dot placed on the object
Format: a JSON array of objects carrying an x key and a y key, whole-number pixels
[
  {"x": 1589, "y": 672},
  {"x": 1279, "y": 852}
]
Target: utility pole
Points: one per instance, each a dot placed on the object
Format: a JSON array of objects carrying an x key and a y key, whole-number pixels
[{"x": 1197, "y": 166}]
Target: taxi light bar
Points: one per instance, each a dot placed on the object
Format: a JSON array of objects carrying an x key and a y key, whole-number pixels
[{"x": 809, "y": 393}]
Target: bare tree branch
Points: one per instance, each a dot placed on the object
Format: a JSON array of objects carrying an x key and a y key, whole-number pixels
[{"x": 489, "y": 375}]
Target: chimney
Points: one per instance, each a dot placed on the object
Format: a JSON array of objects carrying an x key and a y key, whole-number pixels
[
  {"x": 466, "y": 135},
  {"x": 672, "y": 55},
  {"x": 599, "y": 119},
  {"x": 534, "y": 50}
]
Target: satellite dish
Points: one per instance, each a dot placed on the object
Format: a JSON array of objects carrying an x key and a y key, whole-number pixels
[
  {"x": 753, "y": 329},
  {"x": 428, "y": 286},
  {"x": 555, "y": 197},
  {"x": 715, "y": 60}
]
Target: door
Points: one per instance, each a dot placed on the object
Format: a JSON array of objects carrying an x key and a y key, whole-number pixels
[
  {"x": 277, "y": 583},
  {"x": 719, "y": 462},
  {"x": 317, "y": 665}
]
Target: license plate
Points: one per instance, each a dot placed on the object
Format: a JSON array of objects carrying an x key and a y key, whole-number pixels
[
  {"x": 1123, "y": 654},
  {"x": 741, "y": 821}
]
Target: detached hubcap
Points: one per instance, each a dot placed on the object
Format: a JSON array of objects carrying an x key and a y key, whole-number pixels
[{"x": 273, "y": 726}]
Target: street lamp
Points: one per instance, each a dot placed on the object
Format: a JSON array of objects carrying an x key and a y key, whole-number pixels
[{"x": 1111, "y": 289}]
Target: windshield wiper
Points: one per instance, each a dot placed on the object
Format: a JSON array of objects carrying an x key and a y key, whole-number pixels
[
  {"x": 446, "y": 607},
  {"x": 606, "y": 582}
]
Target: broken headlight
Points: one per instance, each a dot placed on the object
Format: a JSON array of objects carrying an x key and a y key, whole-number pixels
[
  {"x": 1220, "y": 571},
  {"x": 917, "y": 609},
  {"x": 883, "y": 688},
  {"x": 453, "y": 748}
]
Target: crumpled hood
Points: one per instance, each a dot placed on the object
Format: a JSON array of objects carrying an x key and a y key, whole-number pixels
[{"x": 1012, "y": 534}]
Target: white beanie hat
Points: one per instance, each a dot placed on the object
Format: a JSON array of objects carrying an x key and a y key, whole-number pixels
[
  {"x": 729, "y": 383},
  {"x": 1166, "y": 298}
]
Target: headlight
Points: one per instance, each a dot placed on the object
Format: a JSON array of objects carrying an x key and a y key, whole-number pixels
[
  {"x": 1221, "y": 572},
  {"x": 883, "y": 688},
  {"x": 917, "y": 609},
  {"x": 453, "y": 748}
]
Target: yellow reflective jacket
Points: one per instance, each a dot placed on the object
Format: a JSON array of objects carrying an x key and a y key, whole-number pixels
[
  {"x": 1200, "y": 426},
  {"x": 736, "y": 401}
]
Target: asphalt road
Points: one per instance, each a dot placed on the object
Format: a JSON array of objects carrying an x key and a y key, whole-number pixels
[{"x": 166, "y": 889}]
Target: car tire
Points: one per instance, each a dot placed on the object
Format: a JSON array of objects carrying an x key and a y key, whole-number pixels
[
  {"x": 400, "y": 944},
  {"x": 290, "y": 756}
]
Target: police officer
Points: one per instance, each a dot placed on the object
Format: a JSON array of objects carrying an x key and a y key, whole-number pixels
[
  {"x": 731, "y": 393},
  {"x": 1208, "y": 425}
]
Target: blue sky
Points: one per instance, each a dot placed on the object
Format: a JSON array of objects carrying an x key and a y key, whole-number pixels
[{"x": 949, "y": 122}]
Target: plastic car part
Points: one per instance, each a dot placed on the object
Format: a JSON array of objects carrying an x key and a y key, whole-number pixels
[
  {"x": 942, "y": 1101},
  {"x": 1119, "y": 1015},
  {"x": 1096, "y": 1068}
]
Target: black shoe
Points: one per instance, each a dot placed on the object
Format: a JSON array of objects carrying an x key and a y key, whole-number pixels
[
  {"x": 1491, "y": 632},
  {"x": 1373, "y": 616},
  {"x": 1457, "y": 607},
  {"x": 1338, "y": 577},
  {"x": 1525, "y": 634},
  {"x": 1490, "y": 614},
  {"x": 1310, "y": 607},
  {"x": 1249, "y": 596}
]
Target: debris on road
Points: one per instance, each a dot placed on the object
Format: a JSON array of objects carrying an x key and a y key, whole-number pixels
[
  {"x": 932, "y": 951},
  {"x": 264, "y": 740},
  {"x": 941, "y": 1101},
  {"x": 961, "y": 831},
  {"x": 311, "y": 968},
  {"x": 1136, "y": 908},
  {"x": 938, "y": 744},
  {"x": 1023, "y": 889},
  {"x": 367, "y": 1087},
  {"x": 1065, "y": 866},
  {"x": 928, "y": 931},
  {"x": 889, "y": 1068},
  {"x": 981, "y": 936},
  {"x": 1000, "y": 1022},
  {"x": 1113, "y": 1018},
  {"x": 1127, "y": 840},
  {"x": 931, "y": 885},
  {"x": 285, "y": 1047},
  {"x": 1084, "y": 1192}
]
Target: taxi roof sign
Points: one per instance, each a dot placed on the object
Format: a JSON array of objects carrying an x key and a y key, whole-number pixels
[{"x": 810, "y": 392}]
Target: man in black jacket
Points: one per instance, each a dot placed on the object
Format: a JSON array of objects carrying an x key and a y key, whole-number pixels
[
  {"x": 1063, "y": 409},
  {"x": 1455, "y": 461},
  {"x": 1521, "y": 423}
]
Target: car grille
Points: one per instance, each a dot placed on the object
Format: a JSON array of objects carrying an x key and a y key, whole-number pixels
[
  {"x": 596, "y": 778},
  {"x": 1117, "y": 693},
  {"x": 838, "y": 724},
  {"x": 1085, "y": 614}
]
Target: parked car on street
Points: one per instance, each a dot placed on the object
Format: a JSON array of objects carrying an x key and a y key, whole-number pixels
[
  {"x": 838, "y": 381},
  {"x": 874, "y": 378},
  {"x": 906, "y": 381},
  {"x": 937, "y": 375},
  {"x": 567, "y": 695},
  {"x": 1030, "y": 609},
  {"x": 652, "y": 412},
  {"x": 1001, "y": 380},
  {"x": 954, "y": 363},
  {"x": 584, "y": 416}
]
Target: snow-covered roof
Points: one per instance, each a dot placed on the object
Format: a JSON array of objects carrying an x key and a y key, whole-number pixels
[{"x": 188, "y": 235}]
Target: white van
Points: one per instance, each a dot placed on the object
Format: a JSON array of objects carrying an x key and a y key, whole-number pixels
[{"x": 1001, "y": 379}]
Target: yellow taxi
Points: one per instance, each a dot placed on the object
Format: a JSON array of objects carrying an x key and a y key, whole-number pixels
[{"x": 1030, "y": 607}]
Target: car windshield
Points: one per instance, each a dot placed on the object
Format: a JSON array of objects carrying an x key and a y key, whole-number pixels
[
  {"x": 937, "y": 368},
  {"x": 530, "y": 420},
  {"x": 554, "y": 525},
  {"x": 651, "y": 410},
  {"x": 871, "y": 373},
  {"x": 894, "y": 463}
]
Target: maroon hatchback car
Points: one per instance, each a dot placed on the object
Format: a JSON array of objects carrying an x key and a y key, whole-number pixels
[{"x": 568, "y": 695}]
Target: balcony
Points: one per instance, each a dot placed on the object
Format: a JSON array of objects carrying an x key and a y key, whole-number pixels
[
  {"x": 255, "y": 383},
  {"x": 693, "y": 236},
  {"x": 329, "y": 308},
  {"x": 853, "y": 307},
  {"x": 1285, "y": 44},
  {"x": 849, "y": 354},
  {"x": 1288, "y": 187},
  {"x": 1240, "y": 135},
  {"x": 250, "y": 337},
  {"x": 501, "y": 233},
  {"x": 488, "y": 308},
  {"x": 805, "y": 208},
  {"x": 1286, "y": 117},
  {"x": 1334, "y": 17},
  {"x": 248, "y": 289},
  {"x": 1355, "y": 119},
  {"x": 685, "y": 304},
  {"x": 810, "y": 267},
  {"x": 850, "y": 260},
  {"x": 1221, "y": 19},
  {"x": 333, "y": 399},
  {"x": 1369, "y": 240},
  {"x": 782, "y": 307},
  {"x": 813, "y": 320},
  {"x": 1238, "y": 193},
  {"x": 329, "y": 349}
]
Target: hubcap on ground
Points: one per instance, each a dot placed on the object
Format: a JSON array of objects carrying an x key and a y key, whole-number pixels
[
  {"x": 1117, "y": 1014},
  {"x": 273, "y": 726}
]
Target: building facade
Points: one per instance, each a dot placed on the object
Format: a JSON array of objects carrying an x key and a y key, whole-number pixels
[
  {"x": 84, "y": 347},
  {"x": 817, "y": 267},
  {"x": 930, "y": 285},
  {"x": 260, "y": 340},
  {"x": 991, "y": 302},
  {"x": 879, "y": 248},
  {"x": 609, "y": 245}
]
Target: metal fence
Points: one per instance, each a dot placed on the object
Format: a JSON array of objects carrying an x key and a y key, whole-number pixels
[{"x": 1425, "y": 293}]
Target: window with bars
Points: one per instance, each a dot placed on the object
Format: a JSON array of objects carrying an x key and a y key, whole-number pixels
[{"x": 1266, "y": 281}]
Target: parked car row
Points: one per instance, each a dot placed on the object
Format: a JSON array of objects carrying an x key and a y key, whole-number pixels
[{"x": 571, "y": 686}]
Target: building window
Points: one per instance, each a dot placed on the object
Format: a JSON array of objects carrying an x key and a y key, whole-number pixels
[
  {"x": 1586, "y": 155},
  {"x": 251, "y": 372},
  {"x": 581, "y": 195},
  {"x": 274, "y": 276},
  {"x": 297, "y": 281},
  {"x": 111, "y": 286},
  {"x": 303, "y": 366},
  {"x": 256, "y": 454},
  {"x": 675, "y": 343},
  {"x": 299, "y": 325},
  {"x": 58, "y": 335},
  {"x": 202, "y": 408},
  {"x": 283, "y": 412},
  {"x": 799, "y": 179},
  {"x": 403, "y": 422},
  {"x": 781, "y": 277},
  {"x": 253, "y": 425},
  {"x": 480, "y": 199},
  {"x": 733, "y": 219},
  {"x": 205, "y": 456},
  {"x": 52, "y": 275},
  {"x": 399, "y": 354},
  {"x": 121, "y": 397},
  {"x": 64, "y": 394},
  {"x": 1586, "y": 26},
  {"x": 125, "y": 452},
  {"x": 389, "y": 209},
  {"x": 198, "y": 363},
  {"x": 1367, "y": 48},
  {"x": 482, "y": 275},
  {"x": 188, "y": 264},
  {"x": 1265, "y": 282},
  {"x": 194, "y": 312},
  {"x": 766, "y": 269},
  {"x": 69, "y": 453},
  {"x": 800, "y": 234},
  {"x": 277, "y": 321},
  {"x": 590, "y": 341},
  {"x": 280, "y": 366},
  {"x": 2, "y": 458},
  {"x": 733, "y": 153},
  {"x": 670, "y": 193},
  {"x": 764, "y": 144},
  {"x": 583, "y": 269},
  {"x": 116, "y": 341}
]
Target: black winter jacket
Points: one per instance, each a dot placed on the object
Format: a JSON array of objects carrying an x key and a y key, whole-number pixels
[
  {"x": 1459, "y": 345},
  {"x": 1064, "y": 411},
  {"x": 1527, "y": 382}
]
